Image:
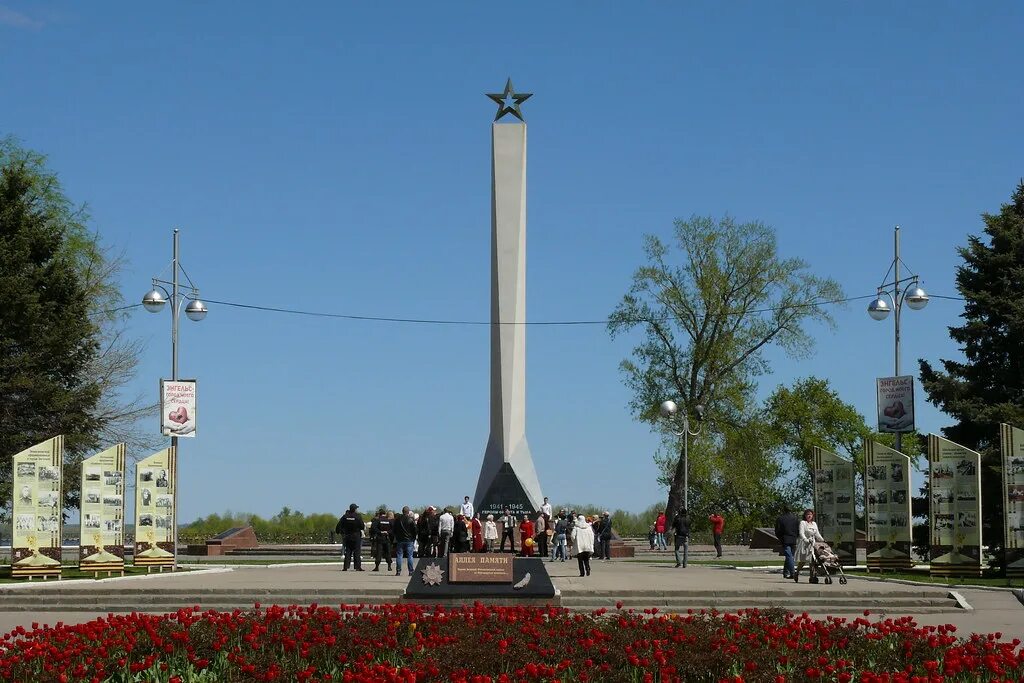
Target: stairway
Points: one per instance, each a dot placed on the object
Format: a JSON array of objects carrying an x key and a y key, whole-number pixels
[
  {"x": 833, "y": 599},
  {"x": 72, "y": 599}
]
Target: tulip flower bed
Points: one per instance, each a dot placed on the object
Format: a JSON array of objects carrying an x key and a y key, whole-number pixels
[{"x": 406, "y": 643}]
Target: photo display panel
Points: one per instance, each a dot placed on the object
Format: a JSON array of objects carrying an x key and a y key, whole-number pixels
[
  {"x": 101, "y": 539},
  {"x": 834, "y": 505},
  {"x": 155, "y": 510},
  {"x": 887, "y": 507},
  {"x": 955, "y": 487},
  {"x": 37, "y": 510},
  {"x": 1012, "y": 445}
]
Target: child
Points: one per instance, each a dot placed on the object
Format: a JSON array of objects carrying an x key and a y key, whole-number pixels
[{"x": 651, "y": 535}]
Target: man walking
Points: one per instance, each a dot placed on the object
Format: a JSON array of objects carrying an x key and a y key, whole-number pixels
[
  {"x": 717, "y": 527},
  {"x": 351, "y": 527},
  {"x": 604, "y": 537},
  {"x": 508, "y": 529},
  {"x": 405, "y": 539},
  {"x": 681, "y": 530},
  {"x": 380, "y": 539},
  {"x": 787, "y": 530}
]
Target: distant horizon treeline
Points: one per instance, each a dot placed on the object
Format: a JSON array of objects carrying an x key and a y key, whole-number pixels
[{"x": 293, "y": 526}]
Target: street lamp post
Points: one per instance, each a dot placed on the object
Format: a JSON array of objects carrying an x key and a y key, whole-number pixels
[
  {"x": 668, "y": 410},
  {"x": 196, "y": 310},
  {"x": 913, "y": 295}
]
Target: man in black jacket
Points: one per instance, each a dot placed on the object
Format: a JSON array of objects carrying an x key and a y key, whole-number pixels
[
  {"x": 787, "y": 529},
  {"x": 405, "y": 539},
  {"x": 681, "y": 531},
  {"x": 351, "y": 528},
  {"x": 380, "y": 539}
]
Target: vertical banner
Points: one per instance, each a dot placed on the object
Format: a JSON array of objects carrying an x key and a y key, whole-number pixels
[
  {"x": 955, "y": 481},
  {"x": 154, "y": 509},
  {"x": 834, "y": 503},
  {"x": 895, "y": 404},
  {"x": 36, "y": 510},
  {"x": 887, "y": 507},
  {"x": 101, "y": 540},
  {"x": 178, "y": 407},
  {"x": 1011, "y": 441}
]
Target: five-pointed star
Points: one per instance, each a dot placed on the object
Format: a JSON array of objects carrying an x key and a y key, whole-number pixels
[{"x": 509, "y": 101}]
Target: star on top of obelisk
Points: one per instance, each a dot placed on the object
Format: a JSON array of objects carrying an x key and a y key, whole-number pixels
[{"x": 509, "y": 101}]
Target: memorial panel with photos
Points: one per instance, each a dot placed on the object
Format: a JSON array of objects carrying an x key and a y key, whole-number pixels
[
  {"x": 1012, "y": 445},
  {"x": 834, "y": 503},
  {"x": 887, "y": 507},
  {"x": 954, "y": 479},
  {"x": 155, "y": 509},
  {"x": 101, "y": 540},
  {"x": 37, "y": 509}
]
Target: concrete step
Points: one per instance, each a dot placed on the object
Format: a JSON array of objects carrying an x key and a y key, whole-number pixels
[{"x": 794, "y": 603}]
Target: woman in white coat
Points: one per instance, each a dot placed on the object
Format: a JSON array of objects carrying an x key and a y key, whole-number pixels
[
  {"x": 809, "y": 535},
  {"x": 583, "y": 544}
]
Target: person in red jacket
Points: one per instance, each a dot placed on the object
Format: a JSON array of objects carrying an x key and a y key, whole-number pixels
[
  {"x": 526, "y": 532},
  {"x": 659, "y": 531},
  {"x": 478, "y": 534},
  {"x": 717, "y": 527}
]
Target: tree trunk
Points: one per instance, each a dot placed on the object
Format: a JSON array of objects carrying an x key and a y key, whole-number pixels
[{"x": 675, "y": 491}]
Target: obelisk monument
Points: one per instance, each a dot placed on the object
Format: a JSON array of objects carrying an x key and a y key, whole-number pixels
[{"x": 507, "y": 476}]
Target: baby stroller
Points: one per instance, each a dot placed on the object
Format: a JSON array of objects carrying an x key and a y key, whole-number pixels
[{"x": 825, "y": 560}]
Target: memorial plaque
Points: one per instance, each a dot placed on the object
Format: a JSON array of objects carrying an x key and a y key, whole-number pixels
[{"x": 484, "y": 568}]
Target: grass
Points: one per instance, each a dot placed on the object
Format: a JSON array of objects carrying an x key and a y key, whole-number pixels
[{"x": 925, "y": 577}]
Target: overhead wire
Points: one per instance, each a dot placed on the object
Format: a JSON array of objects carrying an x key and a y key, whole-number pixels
[{"x": 548, "y": 323}]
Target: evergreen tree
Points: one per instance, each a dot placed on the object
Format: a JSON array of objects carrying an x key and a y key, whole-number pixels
[
  {"x": 47, "y": 339},
  {"x": 987, "y": 387}
]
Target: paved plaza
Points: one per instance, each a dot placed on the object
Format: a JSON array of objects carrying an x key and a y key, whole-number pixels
[{"x": 638, "y": 584}]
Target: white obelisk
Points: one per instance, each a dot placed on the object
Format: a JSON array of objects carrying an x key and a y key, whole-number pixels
[{"x": 508, "y": 478}]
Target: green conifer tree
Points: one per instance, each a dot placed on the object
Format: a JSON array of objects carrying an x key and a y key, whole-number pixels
[{"x": 987, "y": 387}]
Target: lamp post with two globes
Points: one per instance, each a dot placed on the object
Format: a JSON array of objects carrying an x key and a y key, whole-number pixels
[
  {"x": 669, "y": 410},
  {"x": 154, "y": 302},
  {"x": 912, "y": 294}
]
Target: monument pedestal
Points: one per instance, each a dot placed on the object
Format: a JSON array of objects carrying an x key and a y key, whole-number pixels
[{"x": 431, "y": 583}]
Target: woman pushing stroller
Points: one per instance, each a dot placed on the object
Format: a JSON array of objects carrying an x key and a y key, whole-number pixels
[{"x": 807, "y": 538}]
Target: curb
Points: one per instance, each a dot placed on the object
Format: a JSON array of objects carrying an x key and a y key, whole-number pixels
[{"x": 48, "y": 585}]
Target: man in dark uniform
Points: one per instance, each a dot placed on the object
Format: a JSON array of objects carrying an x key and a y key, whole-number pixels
[
  {"x": 681, "y": 530},
  {"x": 423, "y": 533},
  {"x": 787, "y": 529},
  {"x": 350, "y": 527},
  {"x": 380, "y": 538}
]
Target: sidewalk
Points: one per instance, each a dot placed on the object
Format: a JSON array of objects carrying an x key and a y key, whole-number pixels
[{"x": 993, "y": 610}]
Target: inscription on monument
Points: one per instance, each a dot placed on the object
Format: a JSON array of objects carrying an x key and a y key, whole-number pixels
[{"x": 469, "y": 568}]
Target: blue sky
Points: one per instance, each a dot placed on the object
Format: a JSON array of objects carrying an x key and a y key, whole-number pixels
[{"x": 335, "y": 158}]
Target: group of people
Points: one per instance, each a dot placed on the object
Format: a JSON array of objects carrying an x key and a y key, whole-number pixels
[
  {"x": 434, "y": 533},
  {"x": 799, "y": 539},
  {"x": 680, "y": 527}
]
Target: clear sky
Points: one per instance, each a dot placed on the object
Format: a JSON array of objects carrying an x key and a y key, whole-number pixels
[{"x": 334, "y": 157}]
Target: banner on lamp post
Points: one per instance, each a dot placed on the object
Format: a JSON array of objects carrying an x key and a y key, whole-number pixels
[
  {"x": 36, "y": 510},
  {"x": 155, "y": 509},
  {"x": 895, "y": 404},
  {"x": 178, "y": 407},
  {"x": 1011, "y": 441},
  {"x": 101, "y": 538},
  {"x": 834, "y": 503},
  {"x": 954, "y": 478},
  {"x": 887, "y": 507}
]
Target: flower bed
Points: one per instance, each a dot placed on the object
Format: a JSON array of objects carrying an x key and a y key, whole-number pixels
[{"x": 405, "y": 643}]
